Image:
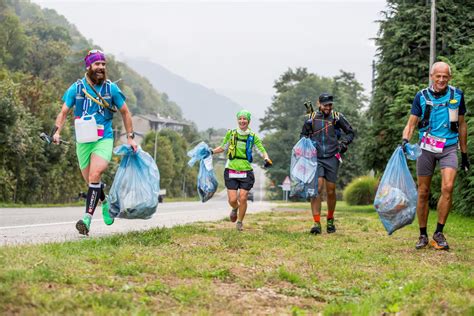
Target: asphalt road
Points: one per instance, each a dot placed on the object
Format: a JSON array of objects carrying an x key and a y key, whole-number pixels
[{"x": 41, "y": 225}]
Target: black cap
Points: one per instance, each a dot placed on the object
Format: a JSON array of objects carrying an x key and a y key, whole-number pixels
[{"x": 325, "y": 98}]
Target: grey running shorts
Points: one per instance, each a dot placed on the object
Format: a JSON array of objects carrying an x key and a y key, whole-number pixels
[
  {"x": 426, "y": 163},
  {"x": 327, "y": 168}
]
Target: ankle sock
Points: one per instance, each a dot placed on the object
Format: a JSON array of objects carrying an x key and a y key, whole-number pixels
[
  {"x": 317, "y": 218},
  {"x": 330, "y": 215},
  {"x": 423, "y": 231},
  {"x": 439, "y": 228},
  {"x": 92, "y": 197}
]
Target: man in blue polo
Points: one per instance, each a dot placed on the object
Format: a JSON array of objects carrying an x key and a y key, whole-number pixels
[
  {"x": 438, "y": 111},
  {"x": 95, "y": 99}
]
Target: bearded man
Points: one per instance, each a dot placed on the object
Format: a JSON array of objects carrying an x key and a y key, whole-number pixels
[
  {"x": 324, "y": 128},
  {"x": 95, "y": 99}
]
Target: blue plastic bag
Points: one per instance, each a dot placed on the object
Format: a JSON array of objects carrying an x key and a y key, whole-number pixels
[
  {"x": 304, "y": 166},
  {"x": 396, "y": 197},
  {"x": 134, "y": 192},
  {"x": 206, "y": 180}
]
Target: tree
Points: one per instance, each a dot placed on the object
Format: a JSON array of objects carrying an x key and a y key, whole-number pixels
[
  {"x": 13, "y": 41},
  {"x": 463, "y": 70},
  {"x": 403, "y": 51},
  {"x": 284, "y": 119}
]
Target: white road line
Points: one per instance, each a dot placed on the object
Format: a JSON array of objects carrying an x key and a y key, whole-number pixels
[
  {"x": 39, "y": 225},
  {"x": 94, "y": 220}
]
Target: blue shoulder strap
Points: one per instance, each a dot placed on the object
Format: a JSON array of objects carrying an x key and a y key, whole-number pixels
[
  {"x": 79, "y": 87},
  {"x": 249, "y": 145},
  {"x": 82, "y": 103}
]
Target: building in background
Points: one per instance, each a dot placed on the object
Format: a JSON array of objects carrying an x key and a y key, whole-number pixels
[{"x": 142, "y": 124}]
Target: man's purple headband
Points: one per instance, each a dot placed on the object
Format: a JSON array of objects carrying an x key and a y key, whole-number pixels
[{"x": 93, "y": 56}]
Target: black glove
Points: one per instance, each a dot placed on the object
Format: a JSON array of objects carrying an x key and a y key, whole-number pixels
[
  {"x": 465, "y": 162},
  {"x": 342, "y": 147},
  {"x": 268, "y": 163},
  {"x": 404, "y": 142}
]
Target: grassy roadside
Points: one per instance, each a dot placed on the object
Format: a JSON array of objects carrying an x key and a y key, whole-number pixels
[
  {"x": 41, "y": 205},
  {"x": 274, "y": 266}
]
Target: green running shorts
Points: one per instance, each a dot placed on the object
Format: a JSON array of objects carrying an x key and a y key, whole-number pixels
[{"x": 102, "y": 148}]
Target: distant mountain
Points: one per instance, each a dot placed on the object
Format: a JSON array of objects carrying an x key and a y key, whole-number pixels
[
  {"x": 202, "y": 105},
  {"x": 253, "y": 101}
]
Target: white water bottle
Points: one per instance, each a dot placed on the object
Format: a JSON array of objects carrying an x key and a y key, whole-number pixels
[{"x": 86, "y": 129}]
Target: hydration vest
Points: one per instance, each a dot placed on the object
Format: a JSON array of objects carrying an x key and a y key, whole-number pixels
[
  {"x": 435, "y": 114},
  {"x": 83, "y": 103},
  {"x": 234, "y": 139}
]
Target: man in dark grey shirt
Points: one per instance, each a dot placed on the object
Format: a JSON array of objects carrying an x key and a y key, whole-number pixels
[{"x": 324, "y": 128}]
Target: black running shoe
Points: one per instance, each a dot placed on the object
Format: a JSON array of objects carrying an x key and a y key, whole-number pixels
[
  {"x": 331, "y": 228},
  {"x": 439, "y": 242},
  {"x": 83, "y": 225},
  {"x": 316, "y": 229},
  {"x": 422, "y": 242}
]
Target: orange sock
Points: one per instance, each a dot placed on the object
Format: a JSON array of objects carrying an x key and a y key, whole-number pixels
[
  {"x": 330, "y": 215},
  {"x": 317, "y": 218}
]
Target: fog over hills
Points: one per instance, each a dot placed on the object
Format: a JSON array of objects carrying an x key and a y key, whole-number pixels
[{"x": 200, "y": 104}]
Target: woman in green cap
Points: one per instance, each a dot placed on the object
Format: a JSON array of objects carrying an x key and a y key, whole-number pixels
[{"x": 238, "y": 172}]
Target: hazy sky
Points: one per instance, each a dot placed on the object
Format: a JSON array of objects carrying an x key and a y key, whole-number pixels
[{"x": 234, "y": 46}]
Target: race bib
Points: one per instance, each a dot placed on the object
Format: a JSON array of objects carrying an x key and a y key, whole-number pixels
[
  {"x": 234, "y": 174},
  {"x": 208, "y": 163},
  {"x": 432, "y": 143}
]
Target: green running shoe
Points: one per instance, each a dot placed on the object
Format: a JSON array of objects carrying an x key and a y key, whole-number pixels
[
  {"x": 331, "y": 228},
  {"x": 105, "y": 213},
  {"x": 83, "y": 225}
]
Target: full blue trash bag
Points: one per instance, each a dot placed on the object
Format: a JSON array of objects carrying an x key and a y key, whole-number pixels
[
  {"x": 396, "y": 197},
  {"x": 134, "y": 192},
  {"x": 304, "y": 166},
  {"x": 206, "y": 180}
]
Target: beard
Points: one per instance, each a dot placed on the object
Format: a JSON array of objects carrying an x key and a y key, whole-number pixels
[{"x": 97, "y": 76}]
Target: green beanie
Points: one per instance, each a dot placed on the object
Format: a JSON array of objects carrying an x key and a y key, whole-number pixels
[{"x": 244, "y": 113}]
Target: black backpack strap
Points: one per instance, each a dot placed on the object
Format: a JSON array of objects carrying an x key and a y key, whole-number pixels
[{"x": 425, "y": 121}]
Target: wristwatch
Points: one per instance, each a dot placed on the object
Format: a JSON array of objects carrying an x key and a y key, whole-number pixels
[{"x": 131, "y": 135}]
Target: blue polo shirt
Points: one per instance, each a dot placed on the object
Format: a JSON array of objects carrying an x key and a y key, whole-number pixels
[{"x": 439, "y": 118}]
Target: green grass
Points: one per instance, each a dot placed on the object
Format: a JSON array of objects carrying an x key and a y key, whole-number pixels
[{"x": 274, "y": 267}]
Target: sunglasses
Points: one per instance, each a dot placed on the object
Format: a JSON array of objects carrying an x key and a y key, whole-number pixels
[{"x": 95, "y": 51}]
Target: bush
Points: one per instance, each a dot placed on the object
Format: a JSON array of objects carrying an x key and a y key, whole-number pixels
[{"x": 361, "y": 191}]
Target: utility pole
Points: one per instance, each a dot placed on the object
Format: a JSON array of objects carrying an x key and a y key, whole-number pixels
[
  {"x": 432, "y": 37},
  {"x": 156, "y": 138}
]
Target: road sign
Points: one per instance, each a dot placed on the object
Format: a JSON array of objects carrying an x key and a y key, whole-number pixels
[{"x": 286, "y": 185}]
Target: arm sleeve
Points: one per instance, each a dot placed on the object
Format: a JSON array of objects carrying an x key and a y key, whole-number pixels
[
  {"x": 69, "y": 96},
  {"x": 118, "y": 98},
  {"x": 347, "y": 128},
  {"x": 258, "y": 144},
  {"x": 307, "y": 129},
  {"x": 416, "y": 106},
  {"x": 462, "y": 106}
]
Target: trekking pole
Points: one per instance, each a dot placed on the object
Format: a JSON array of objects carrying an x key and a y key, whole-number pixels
[
  {"x": 49, "y": 138},
  {"x": 309, "y": 107}
]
